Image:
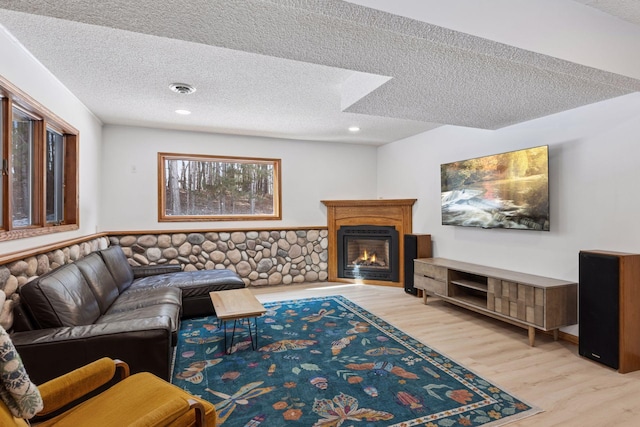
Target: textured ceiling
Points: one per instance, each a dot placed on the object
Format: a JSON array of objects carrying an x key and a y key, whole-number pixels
[
  {"x": 627, "y": 10},
  {"x": 302, "y": 69}
]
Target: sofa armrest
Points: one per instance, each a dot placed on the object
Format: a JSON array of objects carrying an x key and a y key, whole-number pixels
[
  {"x": 61, "y": 391},
  {"x": 153, "y": 270},
  {"x": 145, "y": 344}
]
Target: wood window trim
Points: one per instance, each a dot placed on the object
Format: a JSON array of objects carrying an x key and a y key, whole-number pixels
[
  {"x": 277, "y": 188},
  {"x": 23, "y": 233},
  {"x": 71, "y": 179},
  {"x": 6, "y": 136}
]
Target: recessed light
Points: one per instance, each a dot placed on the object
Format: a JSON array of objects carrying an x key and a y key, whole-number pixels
[
  {"x": 182, "y": 88},
  {"x": 354, "y": 129},
  {"x": 183, "y": 112}
]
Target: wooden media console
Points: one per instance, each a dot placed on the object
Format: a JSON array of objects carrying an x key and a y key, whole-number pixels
[{"x": 526, "y": 300}]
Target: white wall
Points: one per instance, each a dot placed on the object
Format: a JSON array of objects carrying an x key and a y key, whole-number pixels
[
  {"x": 24, "y": 71},
  {"x": 311, "y": 172},
  {"x": 594, "y": 171}
]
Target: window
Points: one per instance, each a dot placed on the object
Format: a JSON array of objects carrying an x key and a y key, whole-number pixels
[
  {"x": 39, "y": 191},
  {"x": 212, "y": 188},
  {"x": 22, "y": 168},
  {"x": 54, "y": 181}
]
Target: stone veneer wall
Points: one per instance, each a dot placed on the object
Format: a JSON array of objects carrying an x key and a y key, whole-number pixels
[
  {"x": 17, "y": 273},
  {"x": 260, "y": 257}
]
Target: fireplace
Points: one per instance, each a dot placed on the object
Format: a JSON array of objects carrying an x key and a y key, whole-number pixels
[
  {"x": 395, "y": 213},
  {"x": 368, "y": 252}
]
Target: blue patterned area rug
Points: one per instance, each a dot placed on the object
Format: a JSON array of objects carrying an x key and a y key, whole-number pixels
[{"x": 328, "y": 362}]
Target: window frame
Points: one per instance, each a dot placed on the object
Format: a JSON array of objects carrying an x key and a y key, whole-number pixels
[
  {"x": 36, "y": 129},
  {"x": 162, "y": 178},
  {"x": 57, "y": 176},
  {"x": 12, "y": 97}
]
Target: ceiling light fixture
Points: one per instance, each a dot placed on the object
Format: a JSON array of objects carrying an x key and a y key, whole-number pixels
[
  {"x": 183, "y": 112},
  {"x": 182, "y": 88},
  {"x": 354, "y": 129}
]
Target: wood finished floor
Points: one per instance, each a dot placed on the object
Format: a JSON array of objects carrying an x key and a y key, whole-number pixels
[{"x": 571, "y": 390}]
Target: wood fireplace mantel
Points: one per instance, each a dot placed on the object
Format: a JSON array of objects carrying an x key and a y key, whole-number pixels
[{"x": 390, "y": 212}]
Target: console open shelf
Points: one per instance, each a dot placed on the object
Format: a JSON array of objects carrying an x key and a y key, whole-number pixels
[
  {"x": 527, "y": 300},
  {"x": 472, "y": 299},
  {"x": 482, "y": 287}
]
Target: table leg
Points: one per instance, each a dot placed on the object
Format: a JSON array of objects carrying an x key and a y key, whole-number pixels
[
  {"x": 255, "y": 332},
  {"x": 224, "y": 322},
  {"x": 233, "y": 333},
  {"x": 256, "y": 325},
  {"x": 532, "y": 335}
]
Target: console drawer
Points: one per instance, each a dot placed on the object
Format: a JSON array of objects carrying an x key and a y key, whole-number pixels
[
  {"x": 429, "y": 285},
  {"x": 432, "y": 271}
]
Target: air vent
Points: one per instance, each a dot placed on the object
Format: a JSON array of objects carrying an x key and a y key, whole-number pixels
[{"x": 182, "y": 88}]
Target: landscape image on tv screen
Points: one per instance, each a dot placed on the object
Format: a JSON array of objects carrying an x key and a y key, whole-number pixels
[{"x": 508, "y": 190}]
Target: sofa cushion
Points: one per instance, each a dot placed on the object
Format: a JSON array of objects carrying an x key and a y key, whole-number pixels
[
  {"x": 152, "y": 270},
  {"x": 118, "y": 265},
  {"x": 132, "y": 299},
  {"x": 192, "y": 283},
  {"x": 171, "y": 311},
  {"x": 195, "y": 286},
  {"x": 22, "y": 320},
  {"x": 61, "y": 297},
  {"x": 99, "y": 280}
]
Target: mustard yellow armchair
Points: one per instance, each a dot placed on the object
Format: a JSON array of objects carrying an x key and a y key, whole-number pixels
[{"x": 136, "y": 400}]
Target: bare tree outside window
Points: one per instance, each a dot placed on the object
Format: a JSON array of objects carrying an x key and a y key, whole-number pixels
[
  {"x": 213, "y": 188},
  {"x": 54, "y": 177},
  {"x": 22, "y": 168}
]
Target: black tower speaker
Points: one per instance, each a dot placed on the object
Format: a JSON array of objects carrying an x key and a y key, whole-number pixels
[
  {"x": 599, "y": 307},
  {"x": 415, "y": 246}
]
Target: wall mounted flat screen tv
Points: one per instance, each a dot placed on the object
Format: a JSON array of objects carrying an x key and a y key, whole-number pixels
[{"x": 508, "y": 190}]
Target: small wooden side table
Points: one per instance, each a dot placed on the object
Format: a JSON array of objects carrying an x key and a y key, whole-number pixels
[{"x": 237, "y": 304}]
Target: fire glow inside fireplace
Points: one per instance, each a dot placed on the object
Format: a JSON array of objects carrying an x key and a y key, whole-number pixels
[{"x": 368, "y": 252}]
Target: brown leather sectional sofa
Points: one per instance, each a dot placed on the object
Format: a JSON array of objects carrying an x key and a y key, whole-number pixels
[{"x": 100, "y": 306}]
